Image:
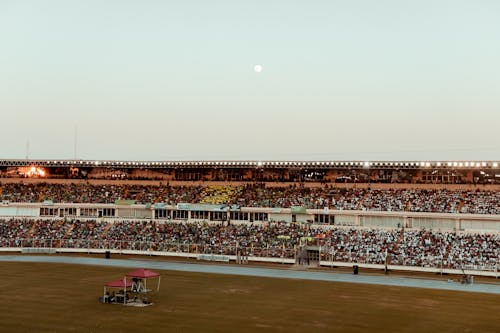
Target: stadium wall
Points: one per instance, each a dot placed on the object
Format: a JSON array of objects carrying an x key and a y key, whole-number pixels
[
  {"x": 381, "y": 186},
  {"x": 373, "y": 219},
  {"x": 492, "y": 272}
]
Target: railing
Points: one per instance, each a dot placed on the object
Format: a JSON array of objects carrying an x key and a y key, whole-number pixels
[
  {"x": 421, "y": 260},
  {"x": 188, "y": 248},
  {"x": 280, "y": 253}
]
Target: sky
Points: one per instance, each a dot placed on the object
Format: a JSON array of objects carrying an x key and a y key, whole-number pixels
[{"x": 175, "y": 80}]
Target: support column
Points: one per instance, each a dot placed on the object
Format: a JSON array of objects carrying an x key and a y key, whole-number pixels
[{"x": 359, "y": 220}]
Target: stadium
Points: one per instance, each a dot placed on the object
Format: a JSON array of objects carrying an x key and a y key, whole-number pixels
[
  {"x": 249, "y": 166},
  {"x": 436, "y": 223}
]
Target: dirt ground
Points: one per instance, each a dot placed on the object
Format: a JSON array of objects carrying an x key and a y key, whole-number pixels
[{"x": 64, "y": 298}]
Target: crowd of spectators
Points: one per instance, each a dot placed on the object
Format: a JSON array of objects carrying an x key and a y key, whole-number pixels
[
  {"x": 260, "y": 195},
  {"x": 410, "y": 247},
  {"x": 486, "y": 202}
]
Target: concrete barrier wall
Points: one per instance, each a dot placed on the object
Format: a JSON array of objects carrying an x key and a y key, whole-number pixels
[
  {"x": 434, "y": 223},
  {"x": 383, "y": 221},
  {"x": 280, "y": 217},
  {"x": 18, "y": 211},
  {"x": 480, "y": 225},
  {"x": 489, "y": 273},
  {"x": 345, "y": 219}
]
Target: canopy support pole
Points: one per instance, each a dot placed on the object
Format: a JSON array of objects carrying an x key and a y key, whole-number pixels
[{"x": 124, "y": 290}]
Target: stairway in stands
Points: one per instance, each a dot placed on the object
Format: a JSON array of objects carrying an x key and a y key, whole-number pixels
[
  {"x": 400, "y": 240},
  {"x": 68, "y": 232},
  {"x": 41, "y": 194},
  {"x": 362, "y": 201},
  {"x": 408, "y": 206},
  {"x": 106, "y": 229},
  {"x": 160, "y": 196},
  {"x": 84, "y": 192},
  {"x": 461, "y": 203},
  {"x": 31, "y": 232}
]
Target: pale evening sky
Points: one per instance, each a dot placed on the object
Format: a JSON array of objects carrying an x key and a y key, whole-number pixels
[{"x": 162, "y": 80}]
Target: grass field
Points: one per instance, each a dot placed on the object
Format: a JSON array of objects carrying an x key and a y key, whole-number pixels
[{"x": 64, "y": 298}]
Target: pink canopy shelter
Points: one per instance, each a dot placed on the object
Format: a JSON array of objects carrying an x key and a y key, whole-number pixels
[
  {"x": 140, "y": 276},
  {"x": 122, "y": 284}
]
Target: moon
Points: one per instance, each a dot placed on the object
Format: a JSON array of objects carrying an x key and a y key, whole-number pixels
[{"x": 257, "y": 68}]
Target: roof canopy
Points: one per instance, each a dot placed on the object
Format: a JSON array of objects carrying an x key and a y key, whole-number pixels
[
  {"x": 121, "y": 283},
  {"x": 142, "y": 274}
]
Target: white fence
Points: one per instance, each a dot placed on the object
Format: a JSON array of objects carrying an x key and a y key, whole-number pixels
[{"x": 270, "y": 254}]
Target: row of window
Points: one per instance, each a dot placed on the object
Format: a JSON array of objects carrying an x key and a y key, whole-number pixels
[
  {"x": 176, "y": 214},
  {"x": 73, "y": 212},
  {"x": 210, "y": 216},
  {"x": 324, "y": 219}
]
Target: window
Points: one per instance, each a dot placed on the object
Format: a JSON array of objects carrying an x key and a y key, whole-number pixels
[
  {"x": 239, "y": 216},
  {"x": 219, "y": 216},
  {"x": 324, "y": 219},
  {"x": 162, "y": 214},
  {"x": 180, "y": 214},
  {"x": 88, "y": 212},
  {"x": 44, "y": 211}
]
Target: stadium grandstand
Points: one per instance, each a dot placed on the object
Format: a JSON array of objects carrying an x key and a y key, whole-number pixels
[{"x": 431, "y": 216}]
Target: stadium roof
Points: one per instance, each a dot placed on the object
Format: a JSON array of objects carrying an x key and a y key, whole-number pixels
[{"x": 274, "y": 164}]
